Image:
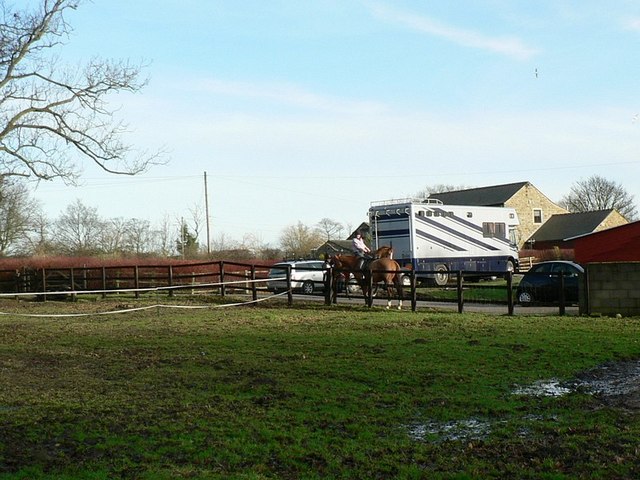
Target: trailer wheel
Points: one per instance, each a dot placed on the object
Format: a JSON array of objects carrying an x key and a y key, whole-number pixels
[{"x": 441, "y": 277}]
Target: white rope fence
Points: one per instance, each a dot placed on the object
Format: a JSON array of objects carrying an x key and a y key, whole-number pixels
[
  {"x": 141, "y": 290},
  {"x": 190, "y": 286}
]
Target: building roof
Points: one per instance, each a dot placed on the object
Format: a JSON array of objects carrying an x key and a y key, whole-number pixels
[
  {"x": 568, "y": 225},
  {"x": 363, "y": 227},
  {"x": 333, "y": 247},
  {"x": 616, "y": 244},
  {"x": 493, "y": 196}
]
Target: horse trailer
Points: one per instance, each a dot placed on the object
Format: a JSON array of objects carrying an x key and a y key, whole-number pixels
[{"x": 438, "y": 240}]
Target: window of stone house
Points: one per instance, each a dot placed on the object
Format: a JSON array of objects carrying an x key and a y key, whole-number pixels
[{"x": 537, "y": 215}]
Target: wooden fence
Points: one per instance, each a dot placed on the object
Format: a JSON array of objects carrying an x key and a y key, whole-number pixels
[
  {"x": 138, "y": 279},
  {"x": 219, "y": 277}
]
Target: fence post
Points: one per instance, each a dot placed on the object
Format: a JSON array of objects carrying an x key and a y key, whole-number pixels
[
  {"x": 460, "y": 291},
  {"x": 510, "y": 293},
  {"x": 104, "y": 282},
  {"x": 136, "y": 279},
  {"x": 328, "y": 286},
  {"x": 170, "y": 280},
  {"x": 72, "y": 282},
  {"x": 254, "y": 289},
  {"x": 19, "y": 279},
  {"x": 44, "y": 284},
  {"x": 583, "y": 293},
  {"x": 289, "y": 288},
  {"x": 223, "y": 288},
  {"x": 562, "y": 299},
  {"x": 414, "y": 291}
]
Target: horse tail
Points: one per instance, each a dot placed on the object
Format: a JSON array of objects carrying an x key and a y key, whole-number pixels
[{"x": 397, "y": 279}]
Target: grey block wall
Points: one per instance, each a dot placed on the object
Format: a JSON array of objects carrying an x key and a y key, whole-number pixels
[{"x": 613, "y": 288}]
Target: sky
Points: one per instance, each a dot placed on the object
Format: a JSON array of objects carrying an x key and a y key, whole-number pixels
[{"x": 299, "y": 110}]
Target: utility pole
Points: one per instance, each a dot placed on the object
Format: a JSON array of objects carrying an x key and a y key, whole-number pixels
[{"x": 206, "y": 209}]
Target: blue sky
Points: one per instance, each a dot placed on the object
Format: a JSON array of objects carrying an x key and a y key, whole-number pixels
[{"x": 303, "y": 110}]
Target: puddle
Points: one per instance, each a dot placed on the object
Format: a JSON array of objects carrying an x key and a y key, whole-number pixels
[
  {"x": 471, "y": 429},
  {"x": 544, "y": 388},
  {"x": 614, "y": 381},
  {"x": 616, "y": 384}
]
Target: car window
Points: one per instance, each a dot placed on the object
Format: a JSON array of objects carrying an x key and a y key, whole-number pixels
[
  {"x": 278, "y": 270},
  {"x": 565, "y": 268},
  {"x": 541, "y": 268},
  {"x": 310, "y": 265}
]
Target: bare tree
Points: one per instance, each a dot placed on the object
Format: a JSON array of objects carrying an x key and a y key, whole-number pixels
[
  {"x": 330, "y": 228},
  {"x": 78, "y": 230},
  {"x": 18, "y": 214},
  {"x": 138, "y": 236},
  {"x": 299, "y": 240},
  {"x": 39, "y": 241},
  {"x": 197, "y": 220},
  {"x": 223, "y": 242},
  {"x": 598, "y": 193},
  {"x": 111, "y": 238},
  {"x": 162, "y": 237},
  {"x": 51, "y": 114},
  {"x": 253, "y": 243}
]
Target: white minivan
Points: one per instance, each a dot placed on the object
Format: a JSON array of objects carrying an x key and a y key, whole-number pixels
[{"x": 307, "y": 276}]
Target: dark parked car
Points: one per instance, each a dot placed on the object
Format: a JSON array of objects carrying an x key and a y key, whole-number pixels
[{"x": 541, "y": 284}]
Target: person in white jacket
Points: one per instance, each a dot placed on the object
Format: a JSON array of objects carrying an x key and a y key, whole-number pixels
[{"x": 360, "y": 248}]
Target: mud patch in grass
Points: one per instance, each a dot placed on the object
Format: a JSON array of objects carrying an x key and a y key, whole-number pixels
[{"x": 616, "y": 384}]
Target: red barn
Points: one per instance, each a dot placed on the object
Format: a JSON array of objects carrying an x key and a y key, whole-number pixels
[{"x": 617, "y": 244}]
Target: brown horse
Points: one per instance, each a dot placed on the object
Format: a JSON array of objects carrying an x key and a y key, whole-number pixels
[
  {"x": 388, "y": 271},
  {"x": 348, "y": 265},
  {"x": 345, "y": 266}
]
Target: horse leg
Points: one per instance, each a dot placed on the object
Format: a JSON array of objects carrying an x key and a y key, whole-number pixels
[{"x": 398, "y": 284}]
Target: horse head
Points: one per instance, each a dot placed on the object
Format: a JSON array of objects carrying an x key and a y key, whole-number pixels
[
  {"x": 335, "y": 261},
  {"x": 384, "y": 252}
]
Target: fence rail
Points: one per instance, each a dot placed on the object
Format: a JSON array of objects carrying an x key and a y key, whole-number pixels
[{"x": 135, "y": 278}]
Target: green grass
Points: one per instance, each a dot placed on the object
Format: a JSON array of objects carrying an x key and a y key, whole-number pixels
[
  {"x": 305, "y": 392},
  {"x": 486, "y": 291}
]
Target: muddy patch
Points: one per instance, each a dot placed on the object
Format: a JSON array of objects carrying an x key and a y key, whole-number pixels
[
  {"x": 470, "y": 429},
  {"x": 616, "y": 384}
]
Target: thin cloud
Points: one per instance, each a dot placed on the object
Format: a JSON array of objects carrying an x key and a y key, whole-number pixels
[
  {"x": 632, "y": 23},
  {"x": 290, "y": 95},
  {"x": 509, "y": 46}
]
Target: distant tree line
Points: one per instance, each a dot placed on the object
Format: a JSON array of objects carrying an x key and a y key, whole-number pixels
[{"x": 80, "y": 230}]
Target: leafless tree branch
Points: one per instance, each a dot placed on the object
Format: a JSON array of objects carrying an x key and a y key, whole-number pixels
[{"x": 52, "y": 117}]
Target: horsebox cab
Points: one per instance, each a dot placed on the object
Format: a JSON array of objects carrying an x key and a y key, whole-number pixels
[{"x": 439, "y": 240}]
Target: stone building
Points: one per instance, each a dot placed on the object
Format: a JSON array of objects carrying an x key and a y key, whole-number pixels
[{"x": 560, "y": 231}]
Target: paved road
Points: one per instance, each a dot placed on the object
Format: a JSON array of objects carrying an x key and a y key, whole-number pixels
[{"x": 494, "y": 309}]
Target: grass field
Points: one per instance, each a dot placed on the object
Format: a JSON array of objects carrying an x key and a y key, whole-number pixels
[{"x": 306, "y": 392}]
